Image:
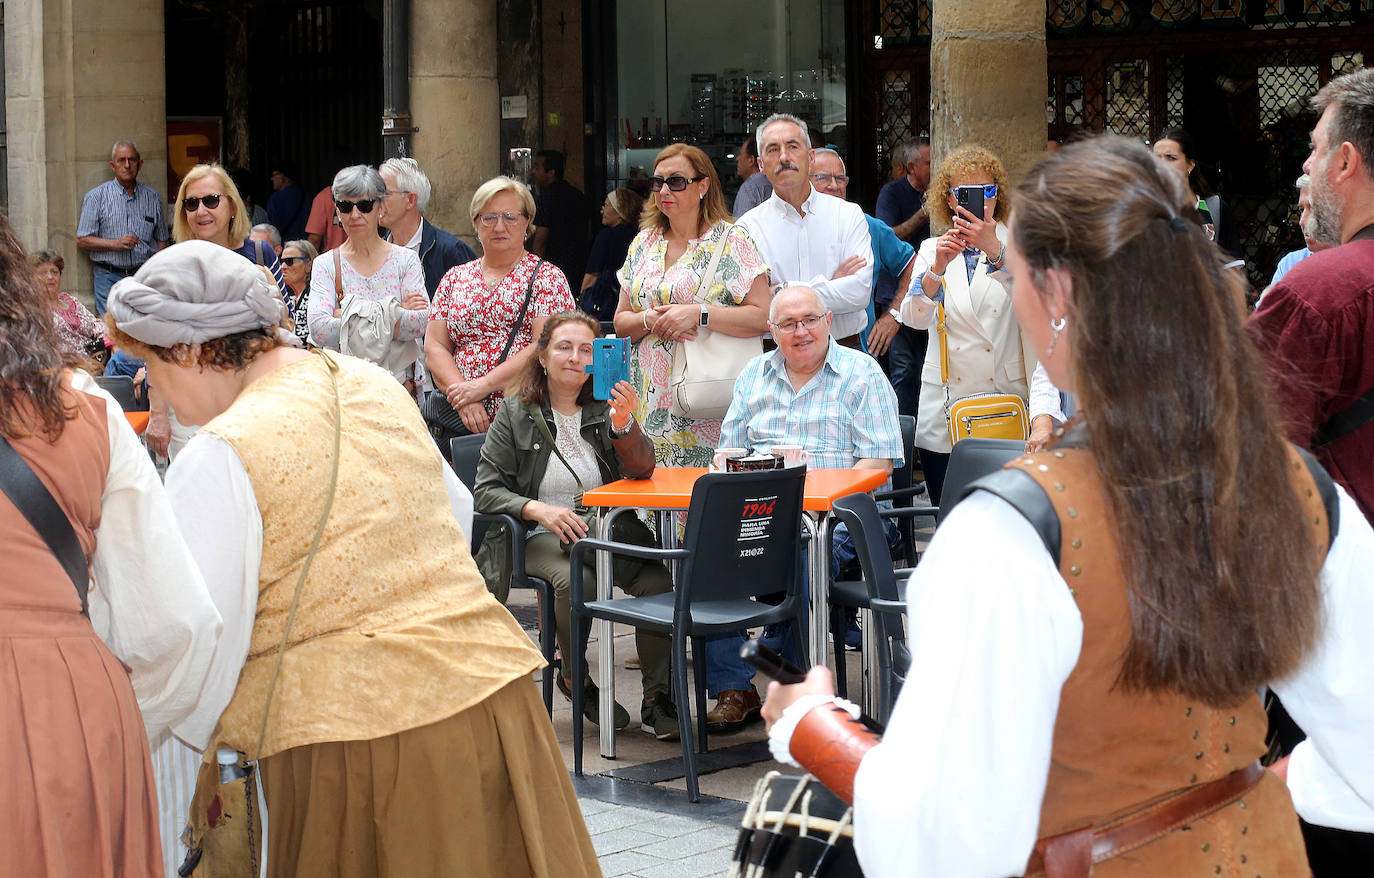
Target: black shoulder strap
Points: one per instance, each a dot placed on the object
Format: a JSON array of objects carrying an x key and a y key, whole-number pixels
[
  {"x": 1343, "y": 423},
  {"x": 19, "y": 482},
  {"x": 524, "y": 306},
  {"x": 1025, "y": 495},
  {"x": 1327, "y": 488}
]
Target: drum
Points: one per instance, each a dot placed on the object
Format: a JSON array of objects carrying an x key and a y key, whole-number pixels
[{"x": 795, "y": 826}]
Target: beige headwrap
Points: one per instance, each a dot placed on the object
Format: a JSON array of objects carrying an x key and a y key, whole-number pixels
[{"x": 194, "y": 292}]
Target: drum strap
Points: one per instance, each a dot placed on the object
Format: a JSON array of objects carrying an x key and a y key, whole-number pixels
[{"x": 829, "y": 743}]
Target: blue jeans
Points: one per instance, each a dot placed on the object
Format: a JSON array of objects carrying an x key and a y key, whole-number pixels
[
  {"x": 726, "y": 670},
  {"x": 104, "y": 279},
  {"x": 905, "y": 356},
  {"x": 122, "y": 364}
]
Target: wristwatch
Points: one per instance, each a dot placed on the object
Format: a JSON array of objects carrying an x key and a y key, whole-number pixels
[
  {"x": 705, "y": 316},
  {"x": 896, "y": 315}
]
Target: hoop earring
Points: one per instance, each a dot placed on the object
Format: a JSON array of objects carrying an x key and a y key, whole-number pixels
[{"x": 1057, "y": 325}]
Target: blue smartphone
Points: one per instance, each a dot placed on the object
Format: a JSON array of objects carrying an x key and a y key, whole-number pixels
[{"x": 610, "y": 363}]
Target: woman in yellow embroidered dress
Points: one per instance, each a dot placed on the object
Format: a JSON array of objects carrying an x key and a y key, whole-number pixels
[
  {"x": 661, "y": 301},
  {"x": 400, "y": 732}
]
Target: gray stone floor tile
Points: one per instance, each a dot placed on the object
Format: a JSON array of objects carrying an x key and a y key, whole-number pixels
[
  {"x": 626, "y": 862},
  {"x": 691, "y": 844},
  {"x": 617, "y": 840},
  {"x": 714, "y": 863}
]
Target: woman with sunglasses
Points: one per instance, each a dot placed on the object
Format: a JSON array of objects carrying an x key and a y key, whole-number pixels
[
  {"x": 210, "y": 208},
  {"x": 662, "y": 301},
  {"x": 296, "y": 259},
  {"x": 367, "y": 268},
  {"x": 964, "y": 269},
  {"x": 487, "y": 312}
]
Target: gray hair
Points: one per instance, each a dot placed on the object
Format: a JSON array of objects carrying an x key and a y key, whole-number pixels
[
  {"x": 358, "y": 181},
  {"x": 909, "y": 151},
  {"x": 795, "y": 288},
  {"x": 129, "y": 143},
  {"x": 781, "y": 117},
  {"x": 306, "y": 248},
  {"x": 825, "y": 150},
  {"x": 272, "y": 234},
  {"x": 410, "y": 178},
  {"x": 1352, "y": 95}
]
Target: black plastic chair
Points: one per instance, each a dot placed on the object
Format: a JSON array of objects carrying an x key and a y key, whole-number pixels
[
  {"x": 466, "y": 451},
  {"x": 904, "y": 490},
  {"x": 970, "y": 460},
  {"x": 121, "y": 387},
  {"x": 743, "y": 541}
]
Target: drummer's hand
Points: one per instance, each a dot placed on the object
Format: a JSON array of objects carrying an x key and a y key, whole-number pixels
[
  {"x": 818, "y": 682},
  {"x": 565, "y": 524},
  {"x": 624, "y": 401}
]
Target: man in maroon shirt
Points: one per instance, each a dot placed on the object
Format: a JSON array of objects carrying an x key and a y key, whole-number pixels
[{"x": 1316, "y": 327}]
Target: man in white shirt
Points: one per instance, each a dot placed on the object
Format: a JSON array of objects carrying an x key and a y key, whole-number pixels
[
  {"x": 808, "y": 238},
  {"x": 407, "y": 196}
]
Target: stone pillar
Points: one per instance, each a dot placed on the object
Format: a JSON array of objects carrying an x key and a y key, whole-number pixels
[
  {"x": 988, "y": 79},
  {"x": 455, "y": 104},
  {"x": 80, "y": 75}
]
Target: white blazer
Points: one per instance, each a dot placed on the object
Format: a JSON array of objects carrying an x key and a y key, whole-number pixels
[{"x": 986, "y": 351}]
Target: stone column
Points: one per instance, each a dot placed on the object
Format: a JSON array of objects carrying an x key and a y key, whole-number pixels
[
  {"x": 988, "y": 79},
  {"x": 80, "y": 75},
  {"x": 455, "y": 104}
]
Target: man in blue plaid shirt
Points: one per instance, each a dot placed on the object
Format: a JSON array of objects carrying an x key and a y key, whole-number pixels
[
  {"x": 122, "y": 223},
  {"x": 833, "y": 401}
]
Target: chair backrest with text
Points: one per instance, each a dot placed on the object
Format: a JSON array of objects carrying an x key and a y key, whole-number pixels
[{"x": 972, "y": 459}]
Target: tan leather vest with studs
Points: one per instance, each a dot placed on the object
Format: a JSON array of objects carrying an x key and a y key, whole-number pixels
[{"x": 1115, "y": 751}]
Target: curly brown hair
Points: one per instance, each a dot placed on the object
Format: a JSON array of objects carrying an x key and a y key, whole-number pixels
[
  {"x": 231, "y": 353},
  {"x": 967, "y": 161},
  {"x": 33, "y": 359}
]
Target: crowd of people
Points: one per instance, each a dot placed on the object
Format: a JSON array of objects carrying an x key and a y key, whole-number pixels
[{"x": 300, "y": 594}]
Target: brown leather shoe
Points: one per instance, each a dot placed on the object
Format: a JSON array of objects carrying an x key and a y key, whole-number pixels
[{"x": 735, "y": 709}]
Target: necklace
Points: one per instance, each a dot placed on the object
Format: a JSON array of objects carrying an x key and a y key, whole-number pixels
[{"x": 488, "y": 273}]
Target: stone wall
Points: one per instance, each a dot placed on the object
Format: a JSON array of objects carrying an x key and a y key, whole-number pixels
[
  {"x": 987, "y": 79},
  {"x": 79, "y": 75}
]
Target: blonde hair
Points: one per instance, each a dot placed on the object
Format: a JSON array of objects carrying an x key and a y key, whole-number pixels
[
  {"x": 494, "y": 187},
  {"x": 239, "y": 223},
  {"x": 966, "y": 161},
  {"x": 713, "y": 209}
]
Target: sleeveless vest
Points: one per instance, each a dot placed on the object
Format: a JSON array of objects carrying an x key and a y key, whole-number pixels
[
  {"x": 1115, "y": 751},
  {"x": 395, "y": 628}
]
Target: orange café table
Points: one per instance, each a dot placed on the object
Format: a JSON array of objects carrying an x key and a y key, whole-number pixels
[{"x": 671, "y": 488}]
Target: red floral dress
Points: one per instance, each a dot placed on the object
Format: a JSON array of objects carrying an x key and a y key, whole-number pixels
[{"x": 479, "y": 320}]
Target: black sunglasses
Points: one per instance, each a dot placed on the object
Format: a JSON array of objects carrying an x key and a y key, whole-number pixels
[
  {"x": 292, "y": 260},
  {"x": 191, "y": 205},
  {"x": 675, "y": 183},
  {"x": 346, "y": 207}
]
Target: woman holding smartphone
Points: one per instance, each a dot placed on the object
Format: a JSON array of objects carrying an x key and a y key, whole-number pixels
[{"x": 964, "y": 269}]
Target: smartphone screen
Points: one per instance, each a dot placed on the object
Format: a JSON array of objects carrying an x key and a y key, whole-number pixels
[{"x": 970, "y": 198}]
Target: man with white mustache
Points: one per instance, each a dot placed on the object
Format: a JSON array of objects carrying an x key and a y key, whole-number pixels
[{"x": 809, "y": 238}]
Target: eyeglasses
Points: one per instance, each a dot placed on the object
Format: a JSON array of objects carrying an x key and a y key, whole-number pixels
[
  {"x": 191, "y": 205},
  {"x": 989, "y": 191},
  {"x": 510, "y": 217},
  {"x": 676, "y": 182},
  {"x": 808, "y": 323},
  {"x": 292, "y": 260},
  {"x": 346, "y": 207},
  {"x": 391, "y": 192},
  {"x": 826, "y": 178}
]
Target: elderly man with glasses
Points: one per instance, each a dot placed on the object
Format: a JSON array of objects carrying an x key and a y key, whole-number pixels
[
  {"x": 407, "y": 196},
  {"x": 834, "y": 402}
]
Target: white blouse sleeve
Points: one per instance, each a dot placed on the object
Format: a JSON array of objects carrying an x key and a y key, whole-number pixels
[
  {"x": 460, "y": 500},
  {"x": 918, "y": 311},
  {"x": 1044, "y": 396},
  {"x": 147, "y": 601},
  {"x": 218, "y": 513},
  {"x": 968, "y": 744},
  {"x": 1331, "y": 696}
]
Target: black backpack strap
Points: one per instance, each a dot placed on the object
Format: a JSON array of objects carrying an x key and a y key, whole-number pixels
[
  {"x": 1343, "y": 423},
  {"x": 1024, "y": 494},
  {"x": 1331, "y": 499},
  {"x": 19, "y": 482}
]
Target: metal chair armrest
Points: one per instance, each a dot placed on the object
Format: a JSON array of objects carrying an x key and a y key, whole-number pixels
[{"x": 586, "y": 544}]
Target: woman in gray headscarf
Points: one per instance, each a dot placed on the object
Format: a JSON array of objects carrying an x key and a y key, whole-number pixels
[{"x": 361, "y": 650}]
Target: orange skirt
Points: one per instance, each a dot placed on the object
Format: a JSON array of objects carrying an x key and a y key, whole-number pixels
[
  {"x": 76, "y": 788},
  {"x": 484, "y": 792}
]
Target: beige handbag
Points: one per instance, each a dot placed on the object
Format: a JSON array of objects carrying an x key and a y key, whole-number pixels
[{"x": 705, "y": 369}]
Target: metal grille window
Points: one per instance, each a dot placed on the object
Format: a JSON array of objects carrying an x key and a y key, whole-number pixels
[{"x": 1128, "y": 98}]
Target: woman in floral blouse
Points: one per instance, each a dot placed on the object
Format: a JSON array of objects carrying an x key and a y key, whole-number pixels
[
  {"x": 661, "y": 302},
  {"x": 77, "y": 326},
  {"x": 477, "y": 305}
]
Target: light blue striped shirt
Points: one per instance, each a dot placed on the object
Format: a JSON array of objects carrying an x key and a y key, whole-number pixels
[
  {"x": 108, "y": 211},
  {"x": 847, "y": 410}
]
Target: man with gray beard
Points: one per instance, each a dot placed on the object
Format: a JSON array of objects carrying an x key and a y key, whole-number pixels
[{"x": 1316, "y": 326}]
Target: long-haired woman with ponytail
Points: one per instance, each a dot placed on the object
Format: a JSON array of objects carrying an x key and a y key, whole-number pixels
[{"x": 1090, "y": 627}]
